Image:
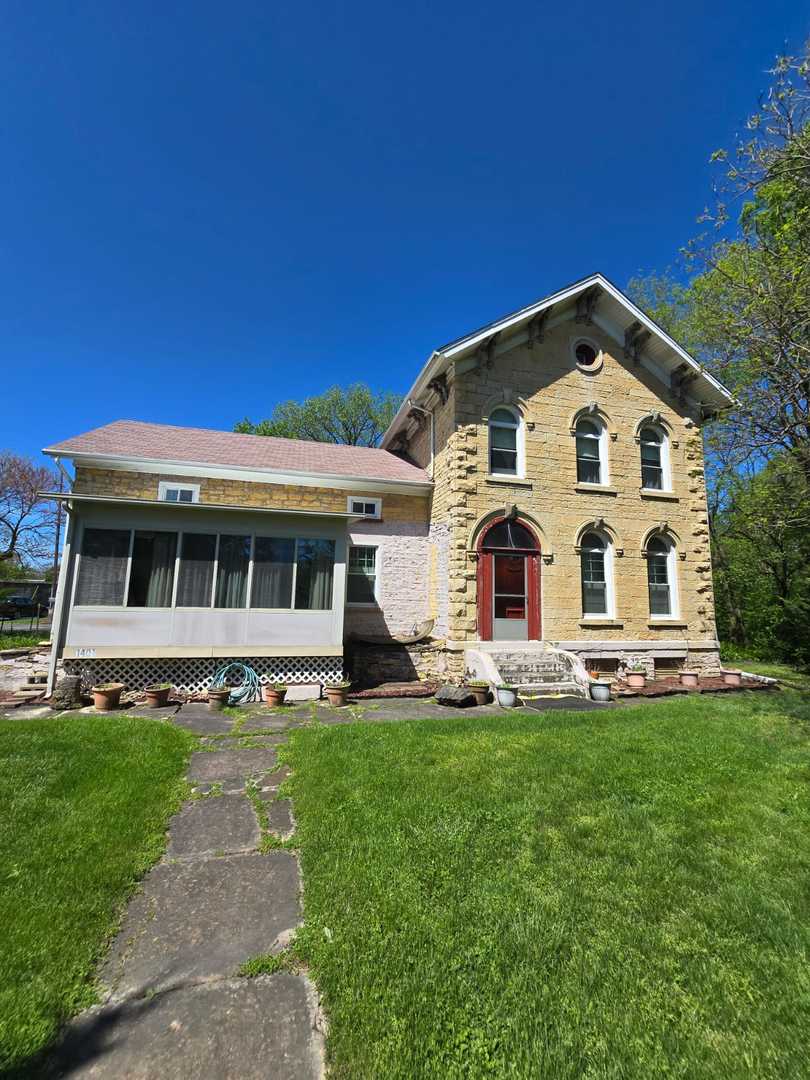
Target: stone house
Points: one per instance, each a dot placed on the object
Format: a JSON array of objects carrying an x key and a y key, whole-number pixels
[{"x": 539, "y": 496}]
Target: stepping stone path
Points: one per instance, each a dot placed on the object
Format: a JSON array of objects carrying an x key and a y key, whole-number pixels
[{"x": 173, "y": 1005}]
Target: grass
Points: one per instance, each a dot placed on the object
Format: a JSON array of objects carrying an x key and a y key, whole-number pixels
[
  {"x": 85, "y": 805},
  {"x": 618, "y": 894},
  {"x": 21, "y": 641}
]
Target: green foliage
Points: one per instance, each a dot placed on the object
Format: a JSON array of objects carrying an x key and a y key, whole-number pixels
[
  {"x": 19, "y": 641},
  {"x": 569, "y": 895},
  {"x": 85, "y": 802},
  {"x": 356, "y": 416}
]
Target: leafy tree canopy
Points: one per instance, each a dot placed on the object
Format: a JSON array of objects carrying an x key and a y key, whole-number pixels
[{"x": 356, "y": 416}]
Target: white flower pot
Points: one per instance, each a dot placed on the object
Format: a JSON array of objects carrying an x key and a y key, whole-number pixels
[
  {"x": 600, "y": 691},
  {"x": 506, "y": 698}
]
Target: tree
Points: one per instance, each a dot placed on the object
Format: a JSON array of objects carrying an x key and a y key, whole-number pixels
[
  {"x": 356, "y": 416},
  {"x": 27, "y": 522}
]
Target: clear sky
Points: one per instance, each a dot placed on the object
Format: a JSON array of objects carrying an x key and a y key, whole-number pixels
[{"x": 208, "y": 208}]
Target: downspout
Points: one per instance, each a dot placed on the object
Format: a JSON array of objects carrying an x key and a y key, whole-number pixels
[
  {"x": 60, "y": 608},
  {"x": 412, "y": 405}
]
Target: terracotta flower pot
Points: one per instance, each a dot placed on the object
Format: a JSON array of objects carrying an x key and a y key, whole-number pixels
[
  {"x": 636, "y": 680},
  {"x": 732, "y": 677},
  {"x": 272, "y": 696},
  {"x": 690, "y": 678},
  {"x": 336, "y": 695},
  {"x": 480, "y": 693},
  {"x": 107, "y": 697},
  {"x": 157, "y": 696},
  {"x": 218, "y": 698}
]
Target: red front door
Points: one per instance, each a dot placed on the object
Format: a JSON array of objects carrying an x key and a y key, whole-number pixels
[{"x": 508, "y": 595}]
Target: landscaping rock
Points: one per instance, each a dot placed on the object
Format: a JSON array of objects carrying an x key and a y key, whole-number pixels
[
  {"x": 457, "y": 696},
  {"x": 246, "y": 1028},
  {"x": 67, "y": 694},
  {"x": 201, "y": 919}
]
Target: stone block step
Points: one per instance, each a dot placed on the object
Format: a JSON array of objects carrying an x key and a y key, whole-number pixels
[{"x": 26, "y": 692}]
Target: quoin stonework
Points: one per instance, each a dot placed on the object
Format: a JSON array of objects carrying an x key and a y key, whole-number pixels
[{"x": 541, "y": 488}]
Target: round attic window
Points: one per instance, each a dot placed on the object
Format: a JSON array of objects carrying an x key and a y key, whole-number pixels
[{"x": 587, "y": 356}]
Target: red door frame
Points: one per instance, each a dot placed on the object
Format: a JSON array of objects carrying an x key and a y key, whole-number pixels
[{"x": 485, "y": 581}]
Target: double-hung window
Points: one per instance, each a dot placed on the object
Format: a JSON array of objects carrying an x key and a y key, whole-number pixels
[
  {"x": 361, "y": 575},
  {"x": 589, "y": 452},
  {"x": 504, "y": 443},
  {"x": 661, "y": 577},
  {"x": 652, "y": 466},
  {"x": 593, "y": 563}
]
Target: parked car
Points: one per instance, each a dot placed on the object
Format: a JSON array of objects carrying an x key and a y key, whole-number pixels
[{"x": 21, "y": 607}]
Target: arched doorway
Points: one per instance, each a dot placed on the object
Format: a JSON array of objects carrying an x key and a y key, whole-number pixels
[{"x": 508, "y": 582}]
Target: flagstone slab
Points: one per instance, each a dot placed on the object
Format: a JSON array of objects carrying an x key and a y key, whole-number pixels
[
  {"x": 279, "y": 817},
  {"x": 201, "y": 919},
  {"x": 211, "y": 766},
  {"x": 245, "y": 1028},
  {"x": 219, "y": 825},
  {"x": 197, "y": 718}
]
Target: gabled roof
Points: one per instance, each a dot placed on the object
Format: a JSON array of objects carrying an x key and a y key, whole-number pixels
[
  {"x": 616, "y": 314},
  {"x": 132, "y": 442}
]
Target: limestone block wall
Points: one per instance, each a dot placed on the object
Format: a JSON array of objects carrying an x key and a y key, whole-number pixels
[
  {"x": 411, "y": 561},
  {"x": 548, "y": 388},
  {"x": 144, "y": 485}
]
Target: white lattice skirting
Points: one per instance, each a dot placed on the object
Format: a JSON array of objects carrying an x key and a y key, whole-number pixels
[{"x": 194, "y": 673}]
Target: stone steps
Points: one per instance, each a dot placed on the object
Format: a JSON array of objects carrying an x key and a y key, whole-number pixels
[{"x": 539, "y": 671}]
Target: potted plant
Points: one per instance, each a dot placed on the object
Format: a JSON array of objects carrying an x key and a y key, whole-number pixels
[
  {"x": 732, "y": 676},
  {"x": 507, "y": 696},
  {"x": 479, "y": 688},
  {"x": 336, "y": 693},
  {"x": 599, "y": 687},
  {"x": 106, "y": 696},
  {"x": 157, "y": 695},
  {"x": 636, "y": 676},
  {"x": 218, "y": 697},
  {"x": 689, "y": 678},
  {"x": 274, "y": 693}
]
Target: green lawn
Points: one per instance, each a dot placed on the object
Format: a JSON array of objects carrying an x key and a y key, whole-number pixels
[
  {"x": 85, "y": 801},
  {"x": 22, "y": 641},
  {"x": 621, "y": 894}
]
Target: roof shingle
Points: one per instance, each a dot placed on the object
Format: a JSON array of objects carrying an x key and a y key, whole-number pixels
[{"x": 162, "y": 442}]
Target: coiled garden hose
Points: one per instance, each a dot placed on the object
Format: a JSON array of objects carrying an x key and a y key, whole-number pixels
[{"x": 249, "y": 688}]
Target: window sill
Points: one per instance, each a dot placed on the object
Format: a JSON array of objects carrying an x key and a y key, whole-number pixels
[
  {"x": 596, "y": 489},
  {"x": 667, "y": 624},
  {"x": 372, "y": 606},
  {"x": 602, "y": 621},
  {"x": 653, "y": 493},
  {"x": 519, "y": 481}
]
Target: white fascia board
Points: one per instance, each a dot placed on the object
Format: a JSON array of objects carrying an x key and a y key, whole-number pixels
[
  {"x": 163, "y": 467},
  {"x": 431, "y": 368},
  {"x": 70, "y": 497}
]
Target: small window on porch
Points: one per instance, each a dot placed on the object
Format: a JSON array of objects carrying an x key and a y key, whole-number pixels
[
  {"x": 361, "y": 575},
  {"x": 169, "y": 491},
  {"x": 368, "y": 508}
]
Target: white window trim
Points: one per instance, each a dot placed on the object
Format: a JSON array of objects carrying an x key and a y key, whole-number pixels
[
  {"x": 375, "y": 603},
  {"x": 604, "y": 469},
  {"x": 666, "y": 470},
  {"x": 520, "y": 444},
  {"x": 600, "y": 356},
  {"x": 610, "y": 591},
  {"x": 376, "y": 516},
  {"x": 672, "y": 581},
  {"x": 165, "y": 485}
]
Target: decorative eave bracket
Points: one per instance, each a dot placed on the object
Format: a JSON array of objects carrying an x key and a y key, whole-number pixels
[
  {"x": 586, "y": 304},
  {"x": 635, "y": 337},
  {"x": 536, "y": 329}
]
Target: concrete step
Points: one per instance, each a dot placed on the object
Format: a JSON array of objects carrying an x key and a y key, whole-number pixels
[
  {"x": 24, "y": 693},
  {"x": 570, "y": 688}
]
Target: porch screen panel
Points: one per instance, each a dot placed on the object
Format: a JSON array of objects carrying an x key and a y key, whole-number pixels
[
  {"x": 315, "y": 561},
  {"x": 273, "y": 561},
  {"x": 102, "y": 567},
  {"x": 197, "y": 552},
  {"x": 232, "y": 571},
  {"x": 151, "y": 578}
]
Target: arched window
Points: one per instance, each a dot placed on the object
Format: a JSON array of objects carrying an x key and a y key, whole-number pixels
[
  {"x": 661, "y": 577},
  {"x": 590, "y": 442},
  {"x": 595, "y": 563},
  {"x": 654, "y": 459},
  {"x": 505, "y": 456},
  {"x": 509, "y": 534}
]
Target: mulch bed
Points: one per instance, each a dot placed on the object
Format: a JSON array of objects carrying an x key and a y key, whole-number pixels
[
  {"x": 708, "y": 685},
  {"x": 398, "y": 690}
]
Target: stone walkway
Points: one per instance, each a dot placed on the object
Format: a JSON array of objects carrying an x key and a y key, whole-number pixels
[{"x": 174, "y": 1005}]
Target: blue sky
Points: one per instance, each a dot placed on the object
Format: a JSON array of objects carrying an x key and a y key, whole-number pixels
[{"x": 208, "y": 208}]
